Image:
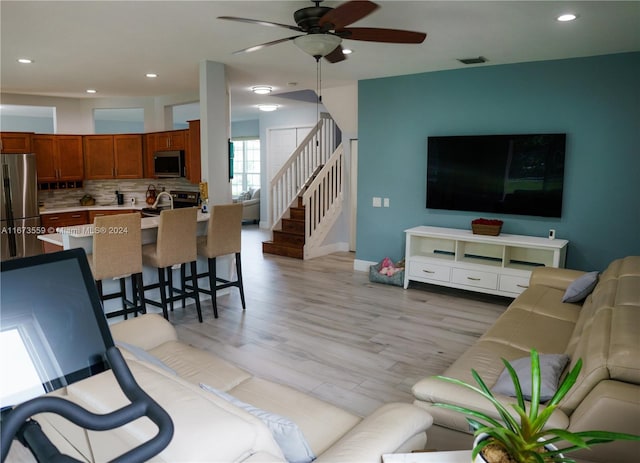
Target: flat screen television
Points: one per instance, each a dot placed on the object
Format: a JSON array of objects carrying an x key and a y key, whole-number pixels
[{"x": 501, "y": 174}]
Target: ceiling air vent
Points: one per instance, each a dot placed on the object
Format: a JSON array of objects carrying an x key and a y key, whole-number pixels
[{"x": 478, "y": 60}]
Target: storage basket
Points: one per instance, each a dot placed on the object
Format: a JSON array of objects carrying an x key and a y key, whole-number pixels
[
  {"x": 486, "y": 227},
  {"x": 397, "y": 279}
]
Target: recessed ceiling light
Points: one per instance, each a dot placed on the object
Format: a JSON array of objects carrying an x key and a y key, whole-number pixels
[
  {"x": 268, "y": 107},
  {"x": 91, "y": 90},
  {"x": 261, "y": 89},
  {"x": 347, "y": 51},
  {"x": 566, "y": 17},
  {"x": 151, "y": 75},
  {"x": 25, "y": 61}
]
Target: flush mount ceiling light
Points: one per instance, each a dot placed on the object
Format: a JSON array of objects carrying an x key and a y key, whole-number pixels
[
  {"x": 268, "y": 107},
  {"x": 566, "y": 17},
  {"x": 91, "y": 90},
  {"x": 317, "y": 45},
  {"x": 261, "y": 89},
  {"x": 151, "y": 75},
  {"x": 24, "y": 60}
]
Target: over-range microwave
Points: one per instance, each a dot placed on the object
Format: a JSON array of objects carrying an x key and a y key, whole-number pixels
[{"x": 168, "y": 164}]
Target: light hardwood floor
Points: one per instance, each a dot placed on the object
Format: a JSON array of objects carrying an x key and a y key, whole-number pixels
[{"x": 322, "y": 328}]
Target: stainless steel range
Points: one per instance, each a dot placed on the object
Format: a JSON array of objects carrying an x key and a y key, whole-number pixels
[{"x": 181, "y": 199}]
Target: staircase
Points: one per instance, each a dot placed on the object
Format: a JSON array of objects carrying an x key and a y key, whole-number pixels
[
  {"x": 289, "y": 240},
  {"x": 306, "y": 194}
]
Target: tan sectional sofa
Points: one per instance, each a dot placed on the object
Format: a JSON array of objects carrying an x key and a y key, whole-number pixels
[
  {"x": 208, "y": 428},
  {"x": 604, "y": 331}
]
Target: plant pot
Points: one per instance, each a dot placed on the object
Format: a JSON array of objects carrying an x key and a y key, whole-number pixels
[{"x": 480, "y": 458}]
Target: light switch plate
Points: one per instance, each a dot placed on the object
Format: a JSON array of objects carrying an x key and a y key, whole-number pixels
[
  {"x": 385, "y": 202},
  {"x": 377, "y": 202}
]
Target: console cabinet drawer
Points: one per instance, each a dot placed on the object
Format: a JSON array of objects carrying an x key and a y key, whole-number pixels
[
  {"x": 513, "y": 284},
  {"x": 474, "y": 278},
  {"x": 428, "y": 271}
]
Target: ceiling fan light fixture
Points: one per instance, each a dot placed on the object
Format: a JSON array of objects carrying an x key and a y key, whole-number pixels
[
  {"x": 317, "y": 45},
  {"x": 268, "y": 107},
  {"x": 261, "y": 89}
]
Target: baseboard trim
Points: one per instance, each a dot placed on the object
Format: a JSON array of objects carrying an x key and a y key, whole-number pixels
[
  {"x": 328, "y": 249},
  {"x": 362, "y": 265}
]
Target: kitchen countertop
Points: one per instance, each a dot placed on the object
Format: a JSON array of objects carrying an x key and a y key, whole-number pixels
[
  {"x": 82, "y": 235},
  {"x": 96, "y": 207}
]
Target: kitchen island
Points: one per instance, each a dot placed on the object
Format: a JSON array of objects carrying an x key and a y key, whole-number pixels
[{"x": 81, "y": 236}]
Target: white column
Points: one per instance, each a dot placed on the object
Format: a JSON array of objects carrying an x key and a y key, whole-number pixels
[{"x": 215, "y": 130}]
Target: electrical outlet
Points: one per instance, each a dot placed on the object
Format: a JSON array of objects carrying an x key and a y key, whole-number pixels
[{"x": 377, "y": 202}]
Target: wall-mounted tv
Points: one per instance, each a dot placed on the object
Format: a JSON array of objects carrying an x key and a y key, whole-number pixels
[{"x": 502, "y": 174}]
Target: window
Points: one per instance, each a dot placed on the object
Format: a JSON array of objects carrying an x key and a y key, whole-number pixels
[
  {"x": 23, "y": 118},
  {"x": 122, "y": 120},
  {"x": 246, "y": 165}
]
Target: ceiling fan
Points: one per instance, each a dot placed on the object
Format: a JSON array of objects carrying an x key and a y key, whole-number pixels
[{"x": 326, "y": 27}]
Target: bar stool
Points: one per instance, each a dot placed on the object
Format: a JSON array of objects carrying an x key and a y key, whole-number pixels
[
  {"x": 224, "y": 232},
  {"x": 174, "y": 247},
  {"x": 117, "y": 254}
]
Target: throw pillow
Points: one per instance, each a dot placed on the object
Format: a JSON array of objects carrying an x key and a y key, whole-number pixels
[
  {"x": 581, "y": 287},
  {"x": 286, "y": 433},
  {"x": 551, "y": 367}
]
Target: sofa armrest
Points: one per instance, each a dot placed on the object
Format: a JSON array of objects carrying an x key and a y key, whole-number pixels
[
  {"x": 250, "y": 202},
  {"x": 147, "y": 331},
  {"x": 384, "y": 431},
  {"x": 558, "y": 278}
]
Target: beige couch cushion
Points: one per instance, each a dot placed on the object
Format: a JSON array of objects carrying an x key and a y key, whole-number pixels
[
  {"x": 197, "y": 418},
  {"x": 198, "y": 366},
  {"x": 310, "y": 414}
]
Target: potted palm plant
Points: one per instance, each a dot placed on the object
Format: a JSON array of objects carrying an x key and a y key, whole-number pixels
[{"x": 526, "y": 440}]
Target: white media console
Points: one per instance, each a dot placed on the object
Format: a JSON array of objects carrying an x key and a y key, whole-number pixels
[{"x": 490, "y": 264}]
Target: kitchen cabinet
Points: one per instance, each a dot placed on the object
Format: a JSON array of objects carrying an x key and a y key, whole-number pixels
[
  {"x": 127, "y": 155},
  {"x": 149, "y": 149},
  {"x": 171, "y": 140},
  {"x": 63, "y": 219},
  {"x": 58, "y": 157},
  {"x": 112, "y": 156},
  {"x": 15, "y": 142},
  {"x": 192, "y": 153}
]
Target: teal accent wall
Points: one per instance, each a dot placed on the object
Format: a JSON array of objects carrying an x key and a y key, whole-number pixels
[{"x": 595, "y": 101}]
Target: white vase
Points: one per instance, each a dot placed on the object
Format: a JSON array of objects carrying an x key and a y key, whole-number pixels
[{"x": 480, "y": 459}]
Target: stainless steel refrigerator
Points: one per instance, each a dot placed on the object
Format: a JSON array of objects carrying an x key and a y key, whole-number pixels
[{"x": 20, "y": 218}]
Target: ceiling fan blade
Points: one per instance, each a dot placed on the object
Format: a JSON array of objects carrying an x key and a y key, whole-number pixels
[
  {"x": 264, "y": 45},
  {"x": 347, "y": 13},
  {"x": 260, "y": 22},
  {"x": 374, "y": 34},
  {"x": 336, "y": 55}
]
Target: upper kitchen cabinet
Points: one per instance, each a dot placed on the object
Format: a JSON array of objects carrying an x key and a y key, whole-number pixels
[
  {"x": 127, "y": 154},
  {"x": 112, "y": 156},
  {"x": 173, "y": 140},
  {"x": 58, "y": 157},
  {"x": 192, "y": 154},
  {"x": 15, "y": 142}
]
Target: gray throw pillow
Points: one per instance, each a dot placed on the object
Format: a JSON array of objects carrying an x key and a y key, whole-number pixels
[
  {"x": 286, "y": 433},
  {"x": 581, "y": 287},
  {"x": 551, "y": 367}
]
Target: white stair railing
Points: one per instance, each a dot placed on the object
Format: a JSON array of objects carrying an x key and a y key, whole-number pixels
[
  {"x": 314, "y": 151},
  {"x": 323, "y": 200}
]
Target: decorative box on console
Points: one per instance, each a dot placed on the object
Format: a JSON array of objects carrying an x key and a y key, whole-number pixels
[{"x": 489, "y": 227}]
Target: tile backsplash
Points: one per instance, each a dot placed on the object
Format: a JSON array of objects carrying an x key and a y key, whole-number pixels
[{"x": 104, "y": 191}]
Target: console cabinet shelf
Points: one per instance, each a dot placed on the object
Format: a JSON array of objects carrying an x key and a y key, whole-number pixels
[{"x": 457, "y": 258}]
